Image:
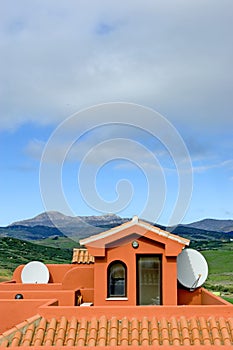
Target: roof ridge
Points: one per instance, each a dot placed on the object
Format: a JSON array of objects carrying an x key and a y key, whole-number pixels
[{"x": 132, "y": 222}]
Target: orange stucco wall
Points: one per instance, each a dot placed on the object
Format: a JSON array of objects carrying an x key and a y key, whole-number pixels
[
  {"x": 127, "y": 254},
  {"x": 64, "y": 297},
  {"x": 72, "y": 278},
  {"x": 57, "y": 272},
  {"x": 139, "y": 312},
  {"x": 65, "y": 276},
  {"x": 200, "y": 296},
  {"x": 185, "y": 297},
  {"x": 208, "y": 298},
  {"x": 79, "y": 277},
  {"x": 16, "y": 311}
]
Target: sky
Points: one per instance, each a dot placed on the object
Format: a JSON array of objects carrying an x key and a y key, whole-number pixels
[{"x": 124, "y": 108}]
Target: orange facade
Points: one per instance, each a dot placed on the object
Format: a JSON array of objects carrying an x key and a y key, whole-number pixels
[{"x": 152, "y": 247}]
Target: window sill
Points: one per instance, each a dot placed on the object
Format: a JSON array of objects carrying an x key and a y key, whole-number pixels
[{"x": 117, "y": 298}]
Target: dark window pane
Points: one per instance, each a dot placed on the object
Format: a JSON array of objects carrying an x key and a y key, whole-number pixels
[{"x": 116, "y": 278}]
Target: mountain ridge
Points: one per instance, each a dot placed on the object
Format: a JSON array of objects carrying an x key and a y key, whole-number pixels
[
  {"x": 55, "y": 224},
  {"x": 223, "y": 225},
  {"x": 57, "y": 219}
]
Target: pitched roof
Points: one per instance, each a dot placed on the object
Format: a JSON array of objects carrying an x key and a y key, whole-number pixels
[
  {"x": 120, "y": 332},
  {"x": 135, "y": 221},
  {"x": 82, "y": 256}
]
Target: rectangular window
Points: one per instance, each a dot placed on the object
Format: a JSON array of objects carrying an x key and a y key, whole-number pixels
[{"x": 149, "y": 280}]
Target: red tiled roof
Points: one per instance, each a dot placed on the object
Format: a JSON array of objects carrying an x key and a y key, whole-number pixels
[
  {"x": 82, "y": 256},
  {"x": 121, "y": 332}
]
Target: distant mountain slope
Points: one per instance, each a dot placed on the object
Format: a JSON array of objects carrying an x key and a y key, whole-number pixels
[
  {"x": 51, "y": 224},
  {"x": 213, "y": 225},
  {"x": 195, "y": 234},
  {"x": 46, "y": 219},
  {"x": 59, "y": 220},
  {"x": 30, "y": 233}
]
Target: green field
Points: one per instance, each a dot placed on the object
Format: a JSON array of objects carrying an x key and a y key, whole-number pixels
[
  {"x": 220, "y": 264},
  {"x": 58, "y": 242},
  {"x": 14, "y": 252},
  {"x": 230, "y": 300}
]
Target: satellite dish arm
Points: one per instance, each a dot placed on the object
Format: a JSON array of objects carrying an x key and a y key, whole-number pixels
[{"x": 194, "y": 286}]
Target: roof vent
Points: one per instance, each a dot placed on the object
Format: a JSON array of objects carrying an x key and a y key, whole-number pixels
[{"x": 135, "y": 219}]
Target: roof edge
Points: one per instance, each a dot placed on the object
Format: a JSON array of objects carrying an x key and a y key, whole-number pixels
[{"x": 135, "y": 221}]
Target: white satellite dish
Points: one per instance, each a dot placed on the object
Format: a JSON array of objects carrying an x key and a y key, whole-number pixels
[
  {"x": 192, "y": 268},
  {"x": 35, "y": 272}
]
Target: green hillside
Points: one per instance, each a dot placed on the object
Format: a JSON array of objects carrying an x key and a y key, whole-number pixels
[
  {"x": 14, "y": 252},
  {"x": 220, "y": 264},
  {"x": 58, "y": 242}
]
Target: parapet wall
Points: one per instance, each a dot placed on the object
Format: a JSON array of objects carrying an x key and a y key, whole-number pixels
[
  {"x": 200, "y": 296},
  {"x": 20, "y": 310}
]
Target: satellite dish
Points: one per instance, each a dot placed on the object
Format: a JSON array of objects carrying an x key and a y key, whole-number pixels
[
  {"x": 35, "y": 272},
  {"x": 192, "y": 268}
]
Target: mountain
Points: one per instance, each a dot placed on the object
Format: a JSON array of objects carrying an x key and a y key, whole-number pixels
[
  {"x": 50, "y": 219},
  {"x": 213, "y": 225},
  {"x": 54, "y": 224},
  {"x": 30, "y": 233},
  {"x": 59, "y": 220}
]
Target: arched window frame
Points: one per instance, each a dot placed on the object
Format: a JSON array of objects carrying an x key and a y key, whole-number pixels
[{"x": 109, "y": 271}]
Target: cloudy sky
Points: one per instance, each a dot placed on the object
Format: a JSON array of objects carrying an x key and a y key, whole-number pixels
[{"x": 59, "y": 58}]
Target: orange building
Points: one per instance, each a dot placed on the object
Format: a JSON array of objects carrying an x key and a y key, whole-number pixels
[{"x": 120, "y": 290}]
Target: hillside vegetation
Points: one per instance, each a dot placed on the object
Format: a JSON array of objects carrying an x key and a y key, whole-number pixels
[
  {"x": 220, "y": 264},
  {"x": 14, "y": 252}
]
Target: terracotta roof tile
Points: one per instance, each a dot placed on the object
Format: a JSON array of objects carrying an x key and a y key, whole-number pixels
[
  {"x": 154, "y": 332},
  {"x": 226, "y": 337},
  {"x": 16, "y": 339},
  {"x": 82, "y": 256},
  {"x": 175, "y": 335},
  {"x": 51, "y": 329},
  {"x": 103, "y": 329},
  {"x": 93, "y": 329},
  {"x": 28, "y": 335},
  {"x": 4, "y": 343},
  {"x": 71, "y": 332},
  {"x": 216, "y": 336},
  {"x": 195, "y": 332},
  {"x": 113, "y": 331},
  {"x": 121, "y": 332},
  {"x": 39, "y": 333},
  {"x": 61, "y": 332}
]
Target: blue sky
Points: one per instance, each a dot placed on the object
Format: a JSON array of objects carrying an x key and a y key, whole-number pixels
[{"x": 60, "y": 58}]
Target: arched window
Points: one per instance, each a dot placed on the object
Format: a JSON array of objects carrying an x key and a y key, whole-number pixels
[{"x": 117, "y": 279}]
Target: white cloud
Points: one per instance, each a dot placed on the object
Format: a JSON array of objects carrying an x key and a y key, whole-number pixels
[
  {"x": 58, "y": 57},
  {"x": 226, "y": 164},
  {"x": 35, "y": 148}
]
